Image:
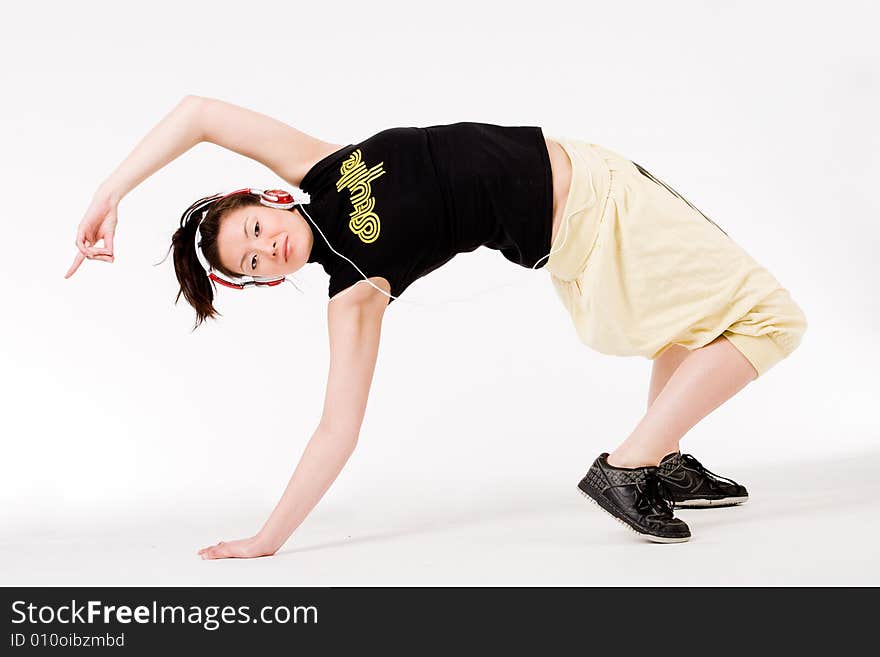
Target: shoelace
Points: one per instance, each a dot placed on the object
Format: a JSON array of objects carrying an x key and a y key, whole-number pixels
[
  {"x": 655, "y": 496},
  {"x": 691, "y": 462}
]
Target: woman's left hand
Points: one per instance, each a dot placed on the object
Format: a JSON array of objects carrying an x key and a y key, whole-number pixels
[{"x": 246, "y": 548}]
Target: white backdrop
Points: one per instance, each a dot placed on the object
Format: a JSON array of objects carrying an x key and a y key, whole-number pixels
[{"x": 123, "y": 451}]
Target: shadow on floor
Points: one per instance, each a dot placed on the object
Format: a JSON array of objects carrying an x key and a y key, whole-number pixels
[{"x": 778, "y": 489}]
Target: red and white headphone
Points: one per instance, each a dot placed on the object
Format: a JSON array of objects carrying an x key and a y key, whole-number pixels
[{"x": 273, "y": 198}]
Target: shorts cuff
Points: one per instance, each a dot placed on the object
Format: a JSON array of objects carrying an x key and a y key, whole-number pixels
[{"x": 762, "y": 351}]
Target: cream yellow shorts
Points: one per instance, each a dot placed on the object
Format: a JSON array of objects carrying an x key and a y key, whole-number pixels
[{"x": 640, "y": 269}]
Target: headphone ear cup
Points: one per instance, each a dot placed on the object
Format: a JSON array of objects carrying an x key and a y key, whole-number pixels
[
  {"x": 217, "y": 279},
  {"x": 271, "y": 283},
  {"x": 277, "y": 198}
]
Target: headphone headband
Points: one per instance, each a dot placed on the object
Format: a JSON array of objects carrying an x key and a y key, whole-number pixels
[{"x": 273, "y": 198}]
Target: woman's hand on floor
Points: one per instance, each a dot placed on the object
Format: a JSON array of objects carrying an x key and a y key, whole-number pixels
[{"x": 246, "y": 548}]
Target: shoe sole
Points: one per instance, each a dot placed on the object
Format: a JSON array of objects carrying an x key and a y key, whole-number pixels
[
  {"x": 650, "y": 537},
  {"x": 704, "y": 504}
]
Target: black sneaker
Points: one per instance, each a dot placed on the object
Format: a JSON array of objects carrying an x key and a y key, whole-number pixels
[
  {"x": 636, "y": 498},
  {"x": 693, "y": 485}
]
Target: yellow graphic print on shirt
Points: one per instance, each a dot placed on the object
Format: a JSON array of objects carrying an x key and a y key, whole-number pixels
[{"x": 355, "y": 176}]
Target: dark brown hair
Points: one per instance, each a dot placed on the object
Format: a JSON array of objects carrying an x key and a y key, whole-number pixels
[{"x": 195, "y": 285}]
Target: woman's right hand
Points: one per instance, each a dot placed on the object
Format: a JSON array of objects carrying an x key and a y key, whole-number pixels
[{"x": 98, "y": 223}]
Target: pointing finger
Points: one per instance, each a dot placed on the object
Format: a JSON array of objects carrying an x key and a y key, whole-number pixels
[{"x": 77, "y": 261}]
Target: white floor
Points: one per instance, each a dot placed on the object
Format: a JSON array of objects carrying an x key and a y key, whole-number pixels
[{"x": 808, "y": 523}]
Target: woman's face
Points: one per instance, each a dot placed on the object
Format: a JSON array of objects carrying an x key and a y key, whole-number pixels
[{"x": 257, "y": 240}]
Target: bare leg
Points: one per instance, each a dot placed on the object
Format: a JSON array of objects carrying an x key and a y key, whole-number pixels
[
  {"x": 663, "y": 368},
  {"x": 705, "y": 379}
]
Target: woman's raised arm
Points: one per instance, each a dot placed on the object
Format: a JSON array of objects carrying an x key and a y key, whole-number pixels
[
  {"x": 282, "y": 148},
  {"x": 286, "y": 150},
  {"x": 175, "y": 134}
]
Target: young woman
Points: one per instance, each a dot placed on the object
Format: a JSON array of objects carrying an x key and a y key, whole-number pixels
[{"x": 640, "y": 270}]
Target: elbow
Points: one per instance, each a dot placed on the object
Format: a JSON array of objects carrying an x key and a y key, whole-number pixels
[
  {"x": 344, "y": 438},
  {"x": 193, "y": 103},
  {"x": 193, "y": 108},
  {"x": 191, "y": 99},
  {"x": 346, "y": 444}
]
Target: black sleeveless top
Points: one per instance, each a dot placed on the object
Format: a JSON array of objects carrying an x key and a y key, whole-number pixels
[{"x": 407, "y": 200}]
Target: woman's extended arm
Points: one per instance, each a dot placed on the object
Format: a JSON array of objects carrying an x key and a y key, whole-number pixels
[
  {"x": 285, "y": 150},
  {"x": 278, "y": 146},
  {"x": 173, "y": 136},
  {"x": 354, "y": 325}
]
